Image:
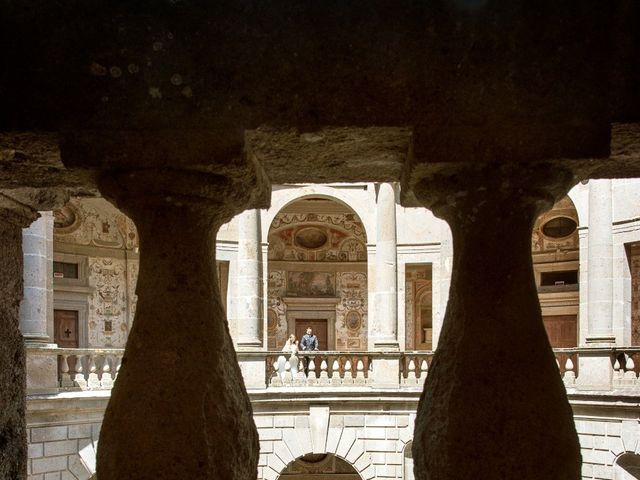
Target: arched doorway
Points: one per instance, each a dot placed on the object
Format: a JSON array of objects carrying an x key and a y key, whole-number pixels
[
  {"x": 323, "y": 466},
  {"x": 317, "y": 263},
  {"x": 556, "y": 257}
]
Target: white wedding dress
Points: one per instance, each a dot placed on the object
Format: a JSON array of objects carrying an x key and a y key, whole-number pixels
[{"x": 290, "y": 351}]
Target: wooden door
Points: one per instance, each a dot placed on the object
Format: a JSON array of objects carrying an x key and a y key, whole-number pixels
[
  {"x": 319, "y": 327},
  {"x": 562, "y": 330},
  {"x": 66, "y": 328}
]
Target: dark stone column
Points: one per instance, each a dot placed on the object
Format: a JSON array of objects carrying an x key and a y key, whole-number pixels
[
  {"x": 14, "y": 216},
  {"x": 494, "y": 406},
  {"x": 179, "y": 409}
]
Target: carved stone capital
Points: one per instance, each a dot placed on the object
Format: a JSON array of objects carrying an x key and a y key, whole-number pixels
[
  {"x": 465, "y": 192},
  {"x": 214, "y": 198}
]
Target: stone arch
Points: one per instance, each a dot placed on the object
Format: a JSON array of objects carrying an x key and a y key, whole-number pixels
[
  {"x": 331, "y": 297},
  {"x": 287, "y": 197},
  {"x": 626, "y": 466},
  {"x": 324, "y": 463},
  {"x": 298, "y": 442},
  {"x": 554, "y": 231}
]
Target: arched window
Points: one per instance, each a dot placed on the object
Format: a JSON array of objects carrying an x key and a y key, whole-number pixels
[
  {"x": 627, "y": 467},
  {"x": 407, "y": 462}
]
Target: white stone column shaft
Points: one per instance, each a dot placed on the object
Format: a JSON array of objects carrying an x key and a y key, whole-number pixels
[
  {"x": 600, "y": 263},
  {"x": 36, "y": 308},
  {"x": 386, "y": 270},
  {"x": 249, "y": 291}
]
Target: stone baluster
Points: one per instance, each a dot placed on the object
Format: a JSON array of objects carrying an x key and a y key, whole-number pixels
[
  {"x": 276, "y": 379},
  {"x": 618, "y": 373},
  {"x": 424, "y": 371},
  {"x": 311, "y": 377},
  {"x": 288, "y": 376},
  {"x": 106, "y": 382},
  {"x": 14, "y": 216},
  {"x": 79, "y": 377},
  {"x": 360, "y": 378},
  {"x": 66, "y": 379},
  {"x": 336, "y": 381},
  {"x": 493, "y": 351},
  {"x": 411, "y": 374},
  {"x": 630, "y": 377},
  {"x": 569, "y": 373},
  {"x": 180, "y": 402},
  {"x": 118, "y": 364},
  {"x": 324, "y": 375},
  {"x": 348, "y": 374},
  {"x": 93, "y": 382}
]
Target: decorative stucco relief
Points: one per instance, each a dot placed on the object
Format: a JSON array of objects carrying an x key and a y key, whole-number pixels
[
  {"x": 409, "y": 297},
  {"x": 314, "y": 237},
  {"x": 94, "y": 222},
  {"x": 277, "y": 313},
  {"x": 107, "y": 303},
  {"x": 351, "y": 311},
  {"x": 133, "y": 267},
  {"x": 541, "y": 242}
]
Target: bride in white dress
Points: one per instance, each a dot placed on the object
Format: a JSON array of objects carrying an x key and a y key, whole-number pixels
[{"x": 290, "y": 351}]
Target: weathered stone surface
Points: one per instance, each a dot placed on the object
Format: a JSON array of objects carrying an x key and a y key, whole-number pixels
[
  {"x": 330, "y": 154},
  {"x": 31, "y": 160},
  {"x": 493, "y": 389},
  {"x": 179, "y": 352},
  {"x": 13, "y": 441}
]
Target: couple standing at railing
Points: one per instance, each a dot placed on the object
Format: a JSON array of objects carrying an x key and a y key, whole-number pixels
[{"x": 309, "y": 343}]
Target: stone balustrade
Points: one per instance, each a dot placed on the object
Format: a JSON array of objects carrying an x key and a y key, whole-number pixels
[
  {"x": 85, "y": 368},
  {"x": 97, "y": 369},
  {"x": 623, "y": 361},
  {"x": 323, "y": 369}
]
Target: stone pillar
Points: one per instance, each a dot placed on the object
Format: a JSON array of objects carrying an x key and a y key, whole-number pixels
[
  {"x": 386, "y": 313},
  {"x": 14, "y": 217},
  {"x": 596, "y": 372},
  {"x": 600, "y": 264},
  {"x": 249, "y": 301},
  {"x": 249, "y": 298},
  {"x": 179, "y": 408},
  {"x": 494, "y": 404},
  {"x": 36, "y": 309}
]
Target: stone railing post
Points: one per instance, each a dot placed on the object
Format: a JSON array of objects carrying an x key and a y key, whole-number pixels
[
  {"x": 596, "y": 370},
  {"x": 179, "y": 408},
  {"x": 14, "y": 216},
  {"x": 494, "y": 404}
]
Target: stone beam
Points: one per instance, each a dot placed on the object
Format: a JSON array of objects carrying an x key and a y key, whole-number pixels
[
  {"x": 346, "y": 154},
  {"x": 30, "y": 166}
]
